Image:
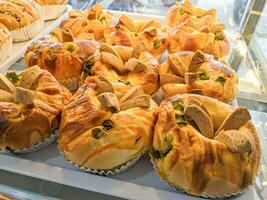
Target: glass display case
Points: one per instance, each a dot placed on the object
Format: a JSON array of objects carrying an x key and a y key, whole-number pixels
[{"x": 246, "y": 25}]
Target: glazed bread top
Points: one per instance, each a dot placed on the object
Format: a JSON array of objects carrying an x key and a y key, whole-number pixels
[
  {"x": 100, "y": 130},
  {"x": 15, "y": 14},
  {"x": 4, "y": 34},
  {"x": 204, "y": 146},
  {"x": 32, "y": 105}
]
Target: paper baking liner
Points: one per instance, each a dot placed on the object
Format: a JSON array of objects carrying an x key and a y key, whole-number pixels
[
  {"x": 111, "y": 172},
  {"x": 36, "y": 147},
  {"x": 53, "y": 11},
  {"x": 28, "y": 32},
  {"x": 5, "y": 50},
  {"x": 180, "y": 189}
]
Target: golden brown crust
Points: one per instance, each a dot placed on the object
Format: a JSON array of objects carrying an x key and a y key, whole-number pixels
[
  {"x": 85, "y": 24},
  {"x": 64, "y": 60},
  {"x": 29, "y": 122},
  {"x": 94, "y": 137},
  {"x": 119, "y": 34},
  {"x": 187, "y": 38},
  {"x": 154, "y": 36},
  {"x": 195, "y": 29},
  {"x": 129, "y": 33},
  {"x": 181, "y": 12},
  {"x": 80, "y": 25},
  {"x": 147, "y": 77},
  {"x": 212, "y": 78},
  {"x": 199, "y": 165}
]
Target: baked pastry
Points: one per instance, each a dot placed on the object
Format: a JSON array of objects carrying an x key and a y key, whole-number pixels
[
  {"x": 102, "y": 133},
  {"x": 181, "y": 12},
  {"x": 124, "y": 65},
  {"x": 189, "y": 36},
  {"x": 154, "y": 35},
  {"x": 127, "y": 32},
  {"x": 64, "y": 60},
  {"x": 33, "y": 110},
  {"x": 196, "y": 72},
  {"x": 5, "y": 43},
  {"x": 122, "y": 32},
  {"x": 52, "y": 9},
  {"x": 205, "y": 147},
  {"x": 22, "y": 17},
  {"x": 83, "y": 25}
]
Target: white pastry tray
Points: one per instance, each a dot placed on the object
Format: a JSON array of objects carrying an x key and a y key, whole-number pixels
[
  {"x": 140, "y": 182},
  {"x": 19, "y": 48}
]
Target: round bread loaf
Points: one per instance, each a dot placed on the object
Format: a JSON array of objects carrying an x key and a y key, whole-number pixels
[
  {"x": 84, "y": 25},
  {"x": 196, "y": 72},
  {"x": 205, "y": 147},
  {"x": 181, "y": 12},
  {"x": 33, "y": 112},
  {"x": 64, "y": 60},
  {"x": 101, "y": 131},
  {"x": 188, "y": 37},
  {"x": 127, "y": 32},
  {"x": 124, "y": 65}
]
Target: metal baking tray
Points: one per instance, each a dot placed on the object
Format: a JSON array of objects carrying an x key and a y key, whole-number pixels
[{"x": 139, "y": 182}]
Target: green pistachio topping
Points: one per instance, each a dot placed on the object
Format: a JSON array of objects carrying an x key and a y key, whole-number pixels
[
  {"x": 97, "y": 133},
  {"x": 161, "y": 154},
  {"x": 203, "y": 76},
  {"x": 156, "y": 43},
  {"x": 177, "y": 105},
  {"x": 180, "y": 120},
  {"x": 71, "y": 47},
  {"x": 13, "y": 77},
  {"x": 220, "y": 79}
]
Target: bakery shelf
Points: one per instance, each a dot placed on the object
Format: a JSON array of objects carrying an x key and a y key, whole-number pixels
[{"x": 138, "y": 182}]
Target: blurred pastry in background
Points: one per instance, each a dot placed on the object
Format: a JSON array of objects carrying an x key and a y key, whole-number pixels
[{"x": 23, "y": 18}]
